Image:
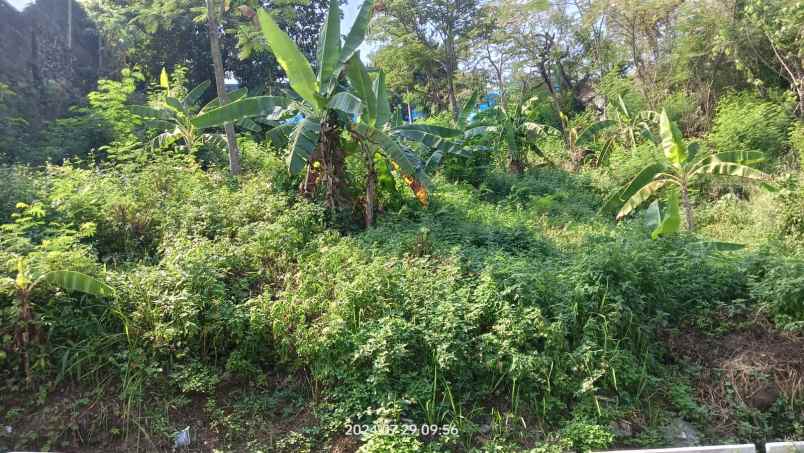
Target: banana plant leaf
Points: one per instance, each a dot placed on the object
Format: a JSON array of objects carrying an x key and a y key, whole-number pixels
[
  {"x": 78, "y": 282},
  {"x": 196, "y": 93},
  {"x": 303, "y": 142},
  {"x": 359, "y": 78},
  {"x": 675, "y": 150},
  {"x": 300, "y": 74},
  {"x": 346, "y": 102},
  {"x": 616, "y": 201},
  {"x": 357, "y": 34},
  {"x": 329, "y": 47},
  {"x": 238, "y": 110},
  {"x": 671, "y": 222}
]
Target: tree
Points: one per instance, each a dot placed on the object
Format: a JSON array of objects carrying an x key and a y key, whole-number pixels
[
  {"x": 440, "y": 25},
  {"x": 174, "y": 116},
  {"x": 413, "y": 71},
  {"x": 680, "y": 168},
  {"x": 781, "y": 23},
  {"x": 134, "y": 33},
  {"x": 329, "y": 108},
  {"x": 217, "y": 63},
  {"x": 513, "y": 132},
  {"x": 576, "y": 139}
]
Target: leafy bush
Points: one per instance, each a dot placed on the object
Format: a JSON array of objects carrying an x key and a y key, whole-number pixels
[
  {"x": 19, "y": 185},
  {"x": 797, "y": 142},
  {"x": 744, "y": 122},
  {"x": 779, "y": 288}
]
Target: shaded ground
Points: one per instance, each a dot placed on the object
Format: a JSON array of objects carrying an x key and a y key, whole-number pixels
[{"x": 741, "y": 372}]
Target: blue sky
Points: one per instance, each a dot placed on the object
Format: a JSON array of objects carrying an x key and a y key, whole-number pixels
[
  {"x": 19, "y": 4},
  {"x": 349, "y": 13}
]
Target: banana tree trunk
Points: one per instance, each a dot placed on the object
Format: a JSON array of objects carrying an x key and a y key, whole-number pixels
[
  {"x": 217, "y": 63},
  {"x": 371, "y": 187},
  {"x": 685, "y": 200},
  {"x": 515, "y": 166},
  {"x": 333, "y": 159}
]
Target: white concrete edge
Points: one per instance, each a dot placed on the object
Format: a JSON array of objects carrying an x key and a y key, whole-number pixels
[
  {"x": 741, "y": 448},
  {"x": 784, "y": 447}
]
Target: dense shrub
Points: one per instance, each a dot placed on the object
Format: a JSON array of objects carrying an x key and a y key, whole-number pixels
[
  {"x": 19, "y": 185},
  {"x": 779, "y": 288},
  {"x": 797, "y": 142},
  {"x": 744, "y": 122}
]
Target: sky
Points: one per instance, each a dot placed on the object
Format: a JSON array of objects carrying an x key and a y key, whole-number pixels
[
  {"x": 20, "y": 4},
  {"x": 349, "y": 14}
]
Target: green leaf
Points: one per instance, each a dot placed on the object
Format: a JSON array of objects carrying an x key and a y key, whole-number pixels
[
  {"x": 346, "y": 102},
  {"x": 644, "y": 177},
  {"x": 672, "y": 142},
  {"x": 653, "y": 215},
  {"x": 647, "y": 134},
  {"x": 195, "y": 94},
  {"x": 231, "y": 97},
  {"x": 249, "y": 125},
  {"x": 303, "y": 143},
  {"x": 468, "y": 107},
  {"x": 409, "y": 164},
  {"x": 358, "y": 32},
  {"x": 329, "y": 47},
  {"x": 150, "y": 112},
  {"x": 640, "y": 196},
  {"x": 429, "y": 140},
  {"x": 78, "y": 282},
  {"x": 590, "y": 132},
  {"x": 361, "y": 82},
  {"x": 737, "y": 157},
  {"x": 511, "y": 141},
  {"x": 719, "y": 246},
  {"x": 164, "y": 80},
  {"x": 730, "y": 169},
  {"x": 383, "y": 110},
  {"x": 279, "y": 136},
  {"x": 238, "y": 110},
  {"x": 671, "y": 222},
  {"x": 623, "y": 107},
  {"x": 296, "y": 66},
  {"x": 175, "y": 104},
  {"x": 445, "y": 132}
]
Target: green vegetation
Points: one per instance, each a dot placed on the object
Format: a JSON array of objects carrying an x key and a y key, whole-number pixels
[{"x": 300, "y": 266}]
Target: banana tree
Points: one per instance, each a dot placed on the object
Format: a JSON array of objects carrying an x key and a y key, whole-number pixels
[
  {"x": 631, "y": 124},
  {"x": 27, "y": 280},
  {"x": 468, "y": 136},
  {"x": 383, "y": 143},
  {"x": 577, "y": 139},
  {"x": 514, "y": 131},
  {"x": 174, "y": 115},
  {"x": 330, "y": 108},
  {"x": 681, "y": 167}
]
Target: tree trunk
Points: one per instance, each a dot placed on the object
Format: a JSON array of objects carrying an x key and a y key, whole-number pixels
[
  {"x": 371, "y": 187},
  {"x": 333, "y": 159},
  {"x": 516, "y": 167},
  {"x": 451, "y": 68},
  {"x": 801, "y": 98},
  {"x": 685, "y": 200},
  {"x": 217, "y": 63}
]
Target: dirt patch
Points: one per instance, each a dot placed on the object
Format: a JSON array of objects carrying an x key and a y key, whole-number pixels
[{"x": 753, "y": 367}]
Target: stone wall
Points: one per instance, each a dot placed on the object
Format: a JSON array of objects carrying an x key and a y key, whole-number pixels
[{"x": 38, "y": 62}]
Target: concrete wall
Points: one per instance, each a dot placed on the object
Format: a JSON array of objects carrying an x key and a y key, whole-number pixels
[{"x": 37, "y": 61}]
